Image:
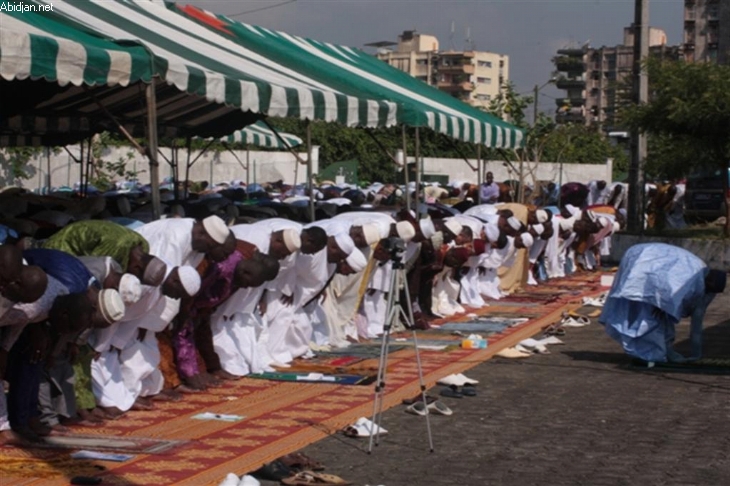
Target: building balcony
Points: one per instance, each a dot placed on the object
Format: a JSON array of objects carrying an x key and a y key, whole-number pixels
[
  {"x": 457, "y": 69},
  {"x": 562, "y": 102},
  {"x": 453, "y": 87},
  {"x": 576, "y": 51},
  {"x": 569, "y": 64},
  {"x": 566, "y": 83}
]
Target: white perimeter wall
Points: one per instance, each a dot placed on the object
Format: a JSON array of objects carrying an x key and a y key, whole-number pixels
[{"x": 272, "y": 166}]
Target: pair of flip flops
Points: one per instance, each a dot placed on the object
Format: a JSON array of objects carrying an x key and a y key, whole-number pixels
[
  {"x": 454, "y": 391},
  {"x": 437, "y": 407}
]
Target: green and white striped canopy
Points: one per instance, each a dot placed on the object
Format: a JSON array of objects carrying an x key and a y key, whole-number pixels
[
  {"x": 262, "y": 136},
  {"x": 214, "y": 68}
]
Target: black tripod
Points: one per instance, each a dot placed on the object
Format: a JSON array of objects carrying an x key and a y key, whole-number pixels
[{"x": 394, "y": 310}]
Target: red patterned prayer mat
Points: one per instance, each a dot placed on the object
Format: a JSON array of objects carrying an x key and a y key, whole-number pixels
[{"x": 278, "y": 418}]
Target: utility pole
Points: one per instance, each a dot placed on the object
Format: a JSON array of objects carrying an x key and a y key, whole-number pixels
[{"x": 641, "y": 96}]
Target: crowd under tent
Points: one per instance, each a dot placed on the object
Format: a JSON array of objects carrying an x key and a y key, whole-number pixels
[{"x": 147, "y": 68}]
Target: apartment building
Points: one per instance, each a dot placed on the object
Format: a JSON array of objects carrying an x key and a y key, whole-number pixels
[
  {"x": 593, "y": 78},
  {"x": 707, "y": 30},
  {"x": 475, "y": 77}
]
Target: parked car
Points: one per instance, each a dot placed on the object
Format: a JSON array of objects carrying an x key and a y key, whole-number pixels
[{"x": 704, "y": 199}]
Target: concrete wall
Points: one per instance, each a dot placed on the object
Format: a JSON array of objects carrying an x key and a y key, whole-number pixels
[
  {"x": 459, "y": 170},
  {"x": 272, "y": 166},
  {"x": 715, "y": 253},
  {"x": 218, "y": 166}
]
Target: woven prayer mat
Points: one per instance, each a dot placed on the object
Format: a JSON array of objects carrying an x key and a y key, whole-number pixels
[
  {"x": 483, "y": 325},
  {"x": 129, "y": 445},
  {"x": 280, "y": 417},
  {"x": 313, "y": 378},
  {"x": 366, "y": 350}
]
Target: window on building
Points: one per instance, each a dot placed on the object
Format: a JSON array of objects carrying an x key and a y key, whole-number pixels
[
  {"x": 484, "y": 97},
  {"x": 501, "y": 63},
  {"x": 422, "y": 78},
  {"x": 485, "y": 64},
  {"x": 481, "y": 80},
  {"x": 421, "y": 62}
]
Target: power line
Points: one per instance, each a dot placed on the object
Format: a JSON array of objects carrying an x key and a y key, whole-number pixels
[{"x": 261, "y": 9}]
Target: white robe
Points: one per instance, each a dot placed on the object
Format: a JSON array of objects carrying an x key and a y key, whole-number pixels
[{"x": 172, "y": 240}]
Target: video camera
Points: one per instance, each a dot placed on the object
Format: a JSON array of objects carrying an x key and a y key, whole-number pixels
[{"x": 395, "y": 246}]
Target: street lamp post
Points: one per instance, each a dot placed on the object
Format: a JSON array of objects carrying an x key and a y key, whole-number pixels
[{"x": 534, "y": 125}]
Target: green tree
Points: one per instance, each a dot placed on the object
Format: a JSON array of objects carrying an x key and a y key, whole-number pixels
[{"x": 687, "y": 119}]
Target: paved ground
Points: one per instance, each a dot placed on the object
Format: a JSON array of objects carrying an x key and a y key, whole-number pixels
[{"x": 580, "y": 415}]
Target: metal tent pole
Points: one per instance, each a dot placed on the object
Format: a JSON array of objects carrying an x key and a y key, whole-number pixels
[
  {"x": 309, "y": 171},
  {"x": 641, "y": 95},
  {"x": 405, "y": 167},
  {"x": 151, "y": 95},
  {"x": 419, "y": 169}
]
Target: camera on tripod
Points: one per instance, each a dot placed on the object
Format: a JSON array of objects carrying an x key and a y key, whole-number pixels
[{"x": 395, "y": 247}]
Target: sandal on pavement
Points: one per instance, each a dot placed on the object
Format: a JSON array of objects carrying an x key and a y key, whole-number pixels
[
  {"x": 418, "y": 398},
  {"x": 273, "y": 471},
  {"x": 469, "y": 390},
  {"x": 363, "y": 428},
  {"x": 575, "y": 321},
  {"x": 301, "y": 462},
  {"x": 439, "y": 408},
  {"x": 451, "y": 392},
  {"x": 305, "y": 478},
  {"x": 554, "y": 330},
  {"x": 418, "y": 408}
]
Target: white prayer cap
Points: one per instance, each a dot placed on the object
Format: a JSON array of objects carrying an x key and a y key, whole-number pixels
[
  {"x": 616, "y": 226},
  {"x": 453, "y": 226},
  {"x": 130, "y": 289},
  {"x": 492, "y": 232},
  {"x": 345, "y": 242},
  {"x": 527, "y": 239},
  {"x": 216, "y": 229},
  {"x": 514, "y": 223},
  {"x": 292, "y": 239},
  {"x": 571, "y": 209},
  {"x": 111, "y": 305},
  {"x": 405, "y": 230},
  {"x": 542, "y": 215},
  {"x": 567, "y": 224},
  {"x": 356, "y": 260},
  {"x": 398, "y": 193},
  {"x": 189, "y": 278},
  {"x": 427, "y": 227},
  {"x": 371, "y": 232},
  {"x": 538, "y": 228}
]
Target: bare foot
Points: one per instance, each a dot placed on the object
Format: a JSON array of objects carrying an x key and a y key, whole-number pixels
[
  {"x": 91, "y": 416},
  {"x": 10, "y": 438},
  {"x": 112, "y": 413},
  {"x": 41, "y": 429},
  {"x": 168, "y": 395},
  {"x": 187, "y": 389},
  {"x": 224, "y": 375},
  {"x": 209, "y": 379},
  {"x": 142, "y": 404}
]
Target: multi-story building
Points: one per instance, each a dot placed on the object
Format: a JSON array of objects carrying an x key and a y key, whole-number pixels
[
  {"x": 594, "y": 77},
  {"x": 475, "y": 77},
  {"x": 707, "y": 30}
]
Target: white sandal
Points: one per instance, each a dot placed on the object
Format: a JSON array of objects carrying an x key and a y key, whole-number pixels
[{"x": 571, "y": 321}]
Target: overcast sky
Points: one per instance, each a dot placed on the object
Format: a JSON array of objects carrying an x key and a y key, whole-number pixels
[{"x": 529, "y": 32}]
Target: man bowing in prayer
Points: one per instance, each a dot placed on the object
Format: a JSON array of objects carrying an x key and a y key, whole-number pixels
[{"x": 657, "y": 285}]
